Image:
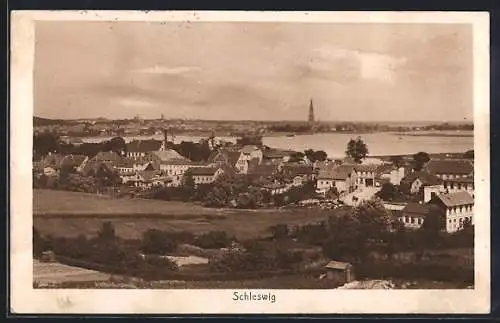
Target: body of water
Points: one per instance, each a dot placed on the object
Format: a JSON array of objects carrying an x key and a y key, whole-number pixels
[{"x": 334, "y": 144}]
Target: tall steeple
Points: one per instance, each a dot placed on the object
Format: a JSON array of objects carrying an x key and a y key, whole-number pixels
[{"x": 311, "y": 112}]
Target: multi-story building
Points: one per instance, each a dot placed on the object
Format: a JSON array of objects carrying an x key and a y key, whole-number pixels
[
  {"x": 456, "y": 208},
  {"x": 450, "y": 168}
]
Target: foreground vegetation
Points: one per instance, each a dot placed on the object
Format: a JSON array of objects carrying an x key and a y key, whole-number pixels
[{"x": 367, "y": 236}]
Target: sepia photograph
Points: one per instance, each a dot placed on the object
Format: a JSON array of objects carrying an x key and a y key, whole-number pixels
[{"x": 224, "y": 162}]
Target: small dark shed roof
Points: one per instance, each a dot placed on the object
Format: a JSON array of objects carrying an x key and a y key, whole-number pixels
[{"x": 338, "y": 265}]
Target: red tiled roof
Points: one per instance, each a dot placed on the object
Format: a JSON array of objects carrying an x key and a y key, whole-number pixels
[
  {"x": 366, "y": 168},
  {"x": 202, "y": 171},
  {"x": 108, "y": 156},
  {"x": 169, "y": 154},
  {"x": 456, "y": 199},
  {"x": 294, "y": 170},
  {"x": 178, "y": 162},
  {"x": 340, "y": 172},
  {"x": 468, "y": 179},
  {"x": 426, "y": 178},
  {"x": 225, "y": 156},
  {"x": 263, "y": 170},
  {"x": 276, "y": 154},
  {"x": 450, "y": 166},
  {"x": 144, "y": 146},
  {"x": 416, "y": 210}
]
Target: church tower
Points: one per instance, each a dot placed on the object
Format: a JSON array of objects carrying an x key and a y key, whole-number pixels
[{"x": 311, "y": 112}]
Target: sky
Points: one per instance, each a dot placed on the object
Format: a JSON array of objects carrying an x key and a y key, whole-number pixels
[{"x": 253, "y": 71}]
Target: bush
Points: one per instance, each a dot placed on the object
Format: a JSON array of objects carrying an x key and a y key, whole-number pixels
[
  {"x": 158, "y": 242},
  {"x": 214, "y": 240}
]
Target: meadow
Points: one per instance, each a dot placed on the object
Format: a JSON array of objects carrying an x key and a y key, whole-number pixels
[{"x": 69, "y": 214}]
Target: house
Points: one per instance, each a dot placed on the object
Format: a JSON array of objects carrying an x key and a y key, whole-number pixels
[
  {"x": 92, "y": 168},
  {"x": 293, "y": 170},
  {"x": 299, "y": 180},
  {"x": 365, "y": 175},
  {"x": 413, "y": 215},
  {"x": 141, "y": 148},
  {"x": 389, "y": 173},
  {"x": 109, "y": 157},
  {"x": 276, "y": 188},
  {"x": 131, "y": 178},
  {"x": 275, "y": 156},
  {"x": 127, "y": 166},
  {"x": 146, "y": 179},
  {"x": 153, "y": 178},
  {"x": 340, "y": 272},
  {"x": 263, "y": 171},
  {"x": 243, "y": 165},
  {"x": 166, "y": 155},
  {"x": 418, "y": 179},
  {"x": 76, "y": 162},
  {"x": 454, "y": 185},
  {"x": 450, "y": 168},
  {"x": 372, "y": 161},
  {"x": 341, "y": 177},
  {"x": 250, "y": 152},
  {"x": 52, "y": 162},
  {"x": 224, "y": 157},
  {"x": 204, "y": 175},
  {"x": 455, "y": 208},
  {"x": 175, "y": 168}
]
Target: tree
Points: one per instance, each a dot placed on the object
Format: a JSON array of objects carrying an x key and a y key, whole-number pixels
[
  {"x": 106, "y": 176},
  {"x": 116, "y": 144},
  {"x": 319, "y": 155},
  {"x": 343, "y": 241},
  {"x": 296, "y": 157},
  {"x": 396, "y": 160},
  {"x": 44, "y": 143},
  {"x": 387, "y": 192},
  {"x": 420, "y": 159},
  {"x": 214, "y": 240},
  {"x": 356, "y": 149},
  {"x": 469, "y": 154},
  {"x": 279, "y": 231},
  {"x": 332, "y": 193},
  {"x": 157, "y": 242},
  {"x": 188, "y": 181},
  {"x": 374, "y": 224},
  {"x": 249, "y": 140},
  {"x": 434, "y": 222},
  {"x": 313, "y": 156},
  {"x": 107, "y": 232}
]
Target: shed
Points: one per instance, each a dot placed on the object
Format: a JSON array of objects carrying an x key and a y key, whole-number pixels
[{"x": 342, "y": 272}]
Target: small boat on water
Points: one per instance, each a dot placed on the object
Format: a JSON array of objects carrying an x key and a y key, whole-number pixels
[{"x": 291, "y": 135}]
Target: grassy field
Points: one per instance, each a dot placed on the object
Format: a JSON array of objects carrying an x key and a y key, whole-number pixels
[
  {"x": 55, "y": 273},
  {"x": 63, "y": 213}
]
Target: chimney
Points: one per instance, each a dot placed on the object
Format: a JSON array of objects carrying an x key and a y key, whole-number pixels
[{"x": 165, "y": 139}]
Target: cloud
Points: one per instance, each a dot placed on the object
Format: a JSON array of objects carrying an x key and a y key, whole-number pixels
[
  {"x": 354, "y": 64},
  {"x": 165, "y": 70},
  {"x": 134, "y": 103}
]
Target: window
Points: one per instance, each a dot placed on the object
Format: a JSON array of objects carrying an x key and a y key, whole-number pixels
[{"x": 413, "y": 220}]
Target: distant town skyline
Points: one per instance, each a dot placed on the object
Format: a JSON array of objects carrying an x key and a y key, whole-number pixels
[{"x": 253, "y": 71}]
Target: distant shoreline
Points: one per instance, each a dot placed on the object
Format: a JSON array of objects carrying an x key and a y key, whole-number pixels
[{"x": 444, "y": 133}]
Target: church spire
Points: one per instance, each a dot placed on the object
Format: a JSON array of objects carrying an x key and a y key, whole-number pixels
[{"x": 311, "y": 112}]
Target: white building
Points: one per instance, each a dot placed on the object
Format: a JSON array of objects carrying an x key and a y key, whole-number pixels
[
  {"x": 456, "y": 207},
  {"x": 250, "y": 152}
]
